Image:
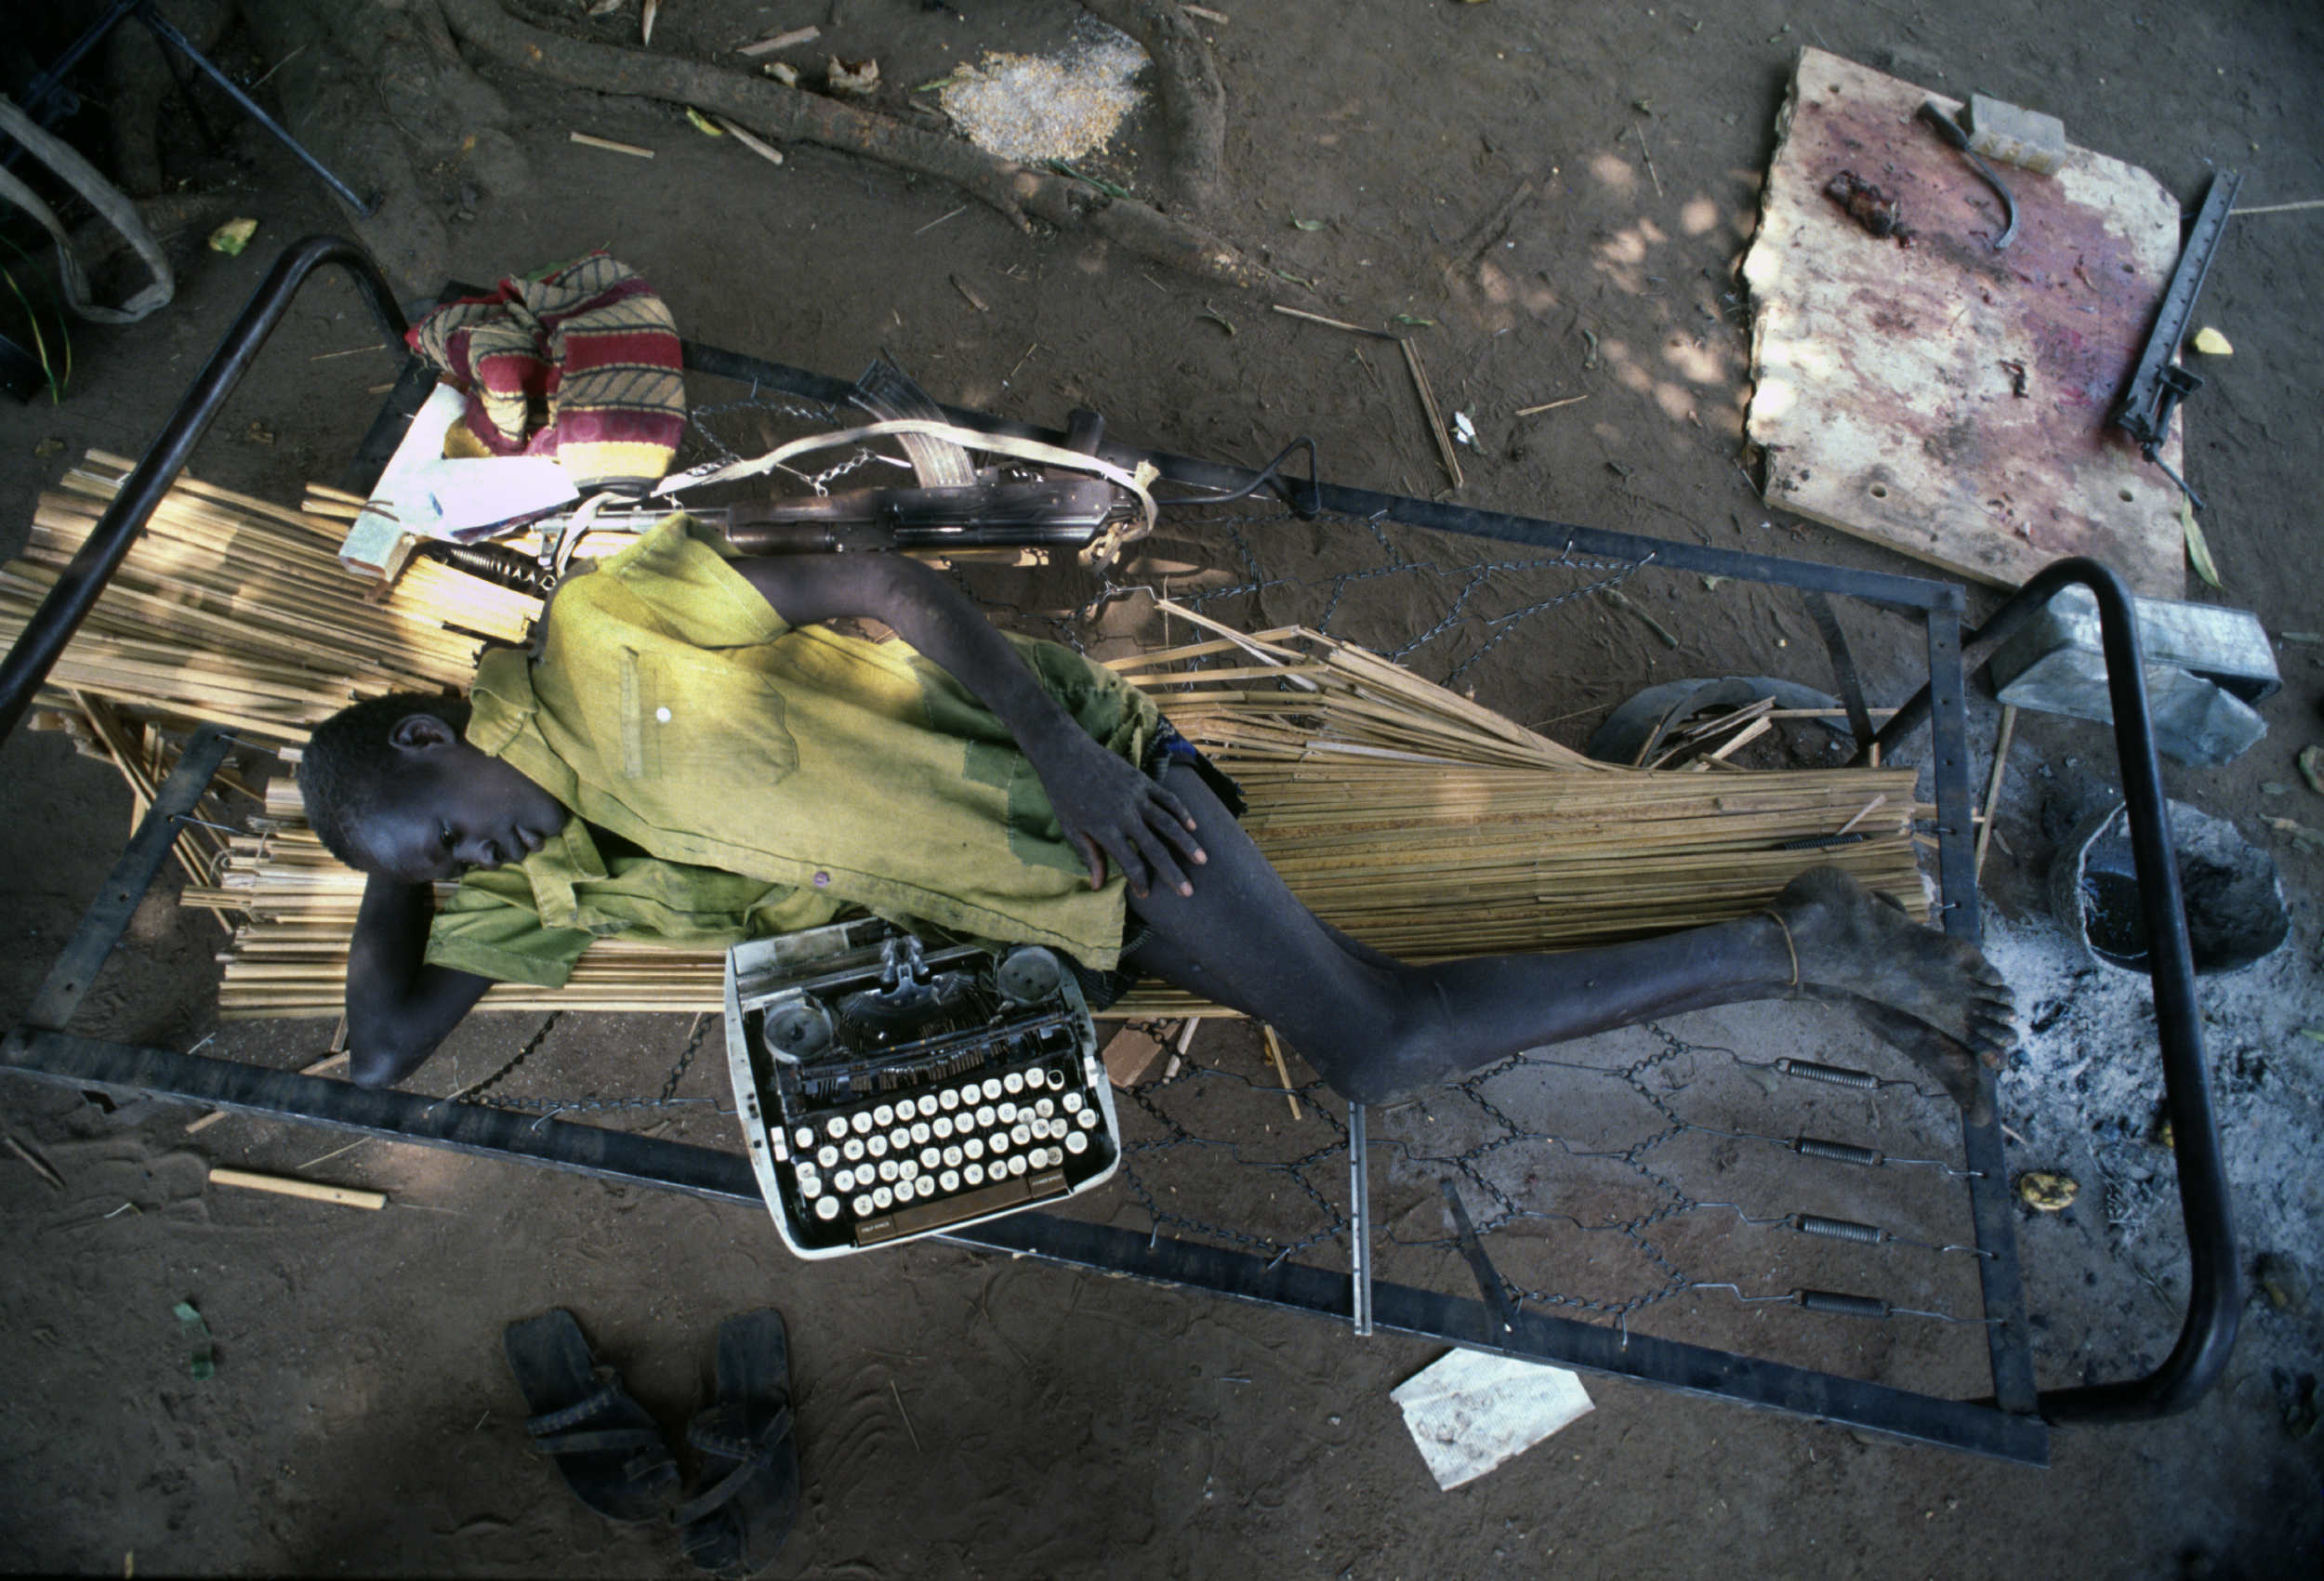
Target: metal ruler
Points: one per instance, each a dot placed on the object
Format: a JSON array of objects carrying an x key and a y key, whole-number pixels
[{"x": 2160, "y": 383}]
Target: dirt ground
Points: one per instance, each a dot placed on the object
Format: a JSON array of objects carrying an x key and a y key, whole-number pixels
[{"x": 971, "y": 1415}]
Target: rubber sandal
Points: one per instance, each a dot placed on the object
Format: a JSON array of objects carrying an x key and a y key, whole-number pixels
[
  {"x": 736, "y": 1525},
  {"x": 613, "y": 1456}
]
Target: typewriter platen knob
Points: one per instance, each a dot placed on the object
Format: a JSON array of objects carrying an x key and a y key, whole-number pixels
[
  {"x": 799, "y": 1031},
  {"x": 1028, "y": 975}
]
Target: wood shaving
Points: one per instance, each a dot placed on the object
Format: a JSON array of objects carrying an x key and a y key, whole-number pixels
[{"x": 1035, "y": 108}]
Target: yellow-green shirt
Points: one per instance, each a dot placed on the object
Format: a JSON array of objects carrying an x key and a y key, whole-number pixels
[{"x": 773, "y": 777}]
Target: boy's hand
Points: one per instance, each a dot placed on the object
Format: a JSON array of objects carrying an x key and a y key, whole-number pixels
[{"x": 1109, "y": 809}]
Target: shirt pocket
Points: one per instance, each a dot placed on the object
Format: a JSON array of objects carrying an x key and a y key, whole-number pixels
[{"x": 701, "y": 731}]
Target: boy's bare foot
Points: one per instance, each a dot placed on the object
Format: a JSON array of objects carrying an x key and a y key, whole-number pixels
[{"x": 1933, "y": 996}]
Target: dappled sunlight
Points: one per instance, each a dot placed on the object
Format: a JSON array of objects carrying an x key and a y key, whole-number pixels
[
  {"x": 1676, "y": 401},
  {"x": 1622, "y": 257},
  {"x": 1614, "y": 173},
  {"x": 1505, "y": 290},
  {"x": 1703, "y": 363},
  {"x": 1698, "y": 216},
  {"x": 1617, "y": 355}
]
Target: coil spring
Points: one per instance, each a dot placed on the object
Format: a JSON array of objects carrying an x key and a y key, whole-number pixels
[
  {"x": 497, "y": 563},
  {"x": 1838, "y": 1153},
  {"x": 1838, "y": 1229},
  {"x": 1838, "y": 1075},
  {"x": 1841, "y": 1305}
]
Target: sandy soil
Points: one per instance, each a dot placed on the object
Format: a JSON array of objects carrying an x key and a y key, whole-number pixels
[{"x": 968, "y": 1415}]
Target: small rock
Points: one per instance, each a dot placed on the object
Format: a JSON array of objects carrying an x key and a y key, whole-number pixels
[
  {"x": 2274, "y": 787},
  {"x": 2311, "y": 762}
]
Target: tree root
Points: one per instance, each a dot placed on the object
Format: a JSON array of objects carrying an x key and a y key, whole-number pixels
[{"x": 1021, "y": 192}]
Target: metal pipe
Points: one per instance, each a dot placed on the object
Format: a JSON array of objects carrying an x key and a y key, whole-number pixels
[
  {"x": 69, "y": 603},
  {"x": 2214, "y": 1302}
]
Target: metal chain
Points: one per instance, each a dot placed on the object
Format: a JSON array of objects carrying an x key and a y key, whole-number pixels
[{"x": 548, "y": 1106}]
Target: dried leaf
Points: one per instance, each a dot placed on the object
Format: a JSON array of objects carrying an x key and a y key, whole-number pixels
[
  {"x": 2047, "y": 1190},
  {"x": 703, "y": 123},
  {"x": 2211, "y": 343},
  {"x": 2197, "y": 546},
  {"x": 233, "y": 236},
  {"x": 1416, "y": 322},
  {"x": 1307, "y": 224}
]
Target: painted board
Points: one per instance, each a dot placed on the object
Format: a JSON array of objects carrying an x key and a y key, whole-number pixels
[{"x": 1888, "y": 397}]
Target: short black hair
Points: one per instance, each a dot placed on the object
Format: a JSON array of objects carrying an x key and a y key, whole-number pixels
[{"x": 350, "y": 757}]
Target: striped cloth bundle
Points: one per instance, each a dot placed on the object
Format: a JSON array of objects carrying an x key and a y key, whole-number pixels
[{"x": 581, "y": 362}]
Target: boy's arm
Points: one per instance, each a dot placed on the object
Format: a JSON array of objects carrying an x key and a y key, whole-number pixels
[
  {"x": 398, "y": 1007},
  {"x": 1108, "y": 807}
]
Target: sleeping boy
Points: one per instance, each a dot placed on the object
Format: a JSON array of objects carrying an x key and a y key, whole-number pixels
[{"x": 692, "y": 753}]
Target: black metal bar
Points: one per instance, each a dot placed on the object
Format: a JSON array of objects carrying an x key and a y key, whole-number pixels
[
  {"x": 45, "y": 98},
  {"x": 100, "y": 925},
  {"x": 77, "y": 1063},
  {"x": 1844, "y": 665},
  {"x": 1488, "y": 1278},
  {"x": 1450, "y": 1320},
  {"x": 364, "y": 207},
  {"x": 2009, "y": 1338},
  {"x": 80, "y": 1063},
  {"x": 68, "y": 603},
  {"x": 1911, "y": 592},
  {"x": 2214, "y": 1302}
]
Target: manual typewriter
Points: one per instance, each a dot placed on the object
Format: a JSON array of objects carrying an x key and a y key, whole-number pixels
[{"x": 890, "y": 1089}]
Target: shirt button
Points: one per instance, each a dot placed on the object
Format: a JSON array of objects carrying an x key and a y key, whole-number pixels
[
  {"x": 822, "y": 880},
  {"x": 662, "y": 714}
]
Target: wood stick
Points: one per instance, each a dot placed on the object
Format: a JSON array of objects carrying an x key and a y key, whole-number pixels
[
  {"x": 1993, "y": 786},
  {"x": 1283, "y": 1073},
  {"x": 1428, "y": 406},
  {"x": 40, "y": 1166},
  {"x": 1330, "y": 324},
  {"x": 1550, "y": 405},
  {"x": 283, "y": 1185},
  {"x": 772, "y": 154},
  {"x": 609, "y": 145},
  {"x": 1868, "y": 808}
]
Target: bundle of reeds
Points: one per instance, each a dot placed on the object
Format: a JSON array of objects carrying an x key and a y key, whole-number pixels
[
  {"x": 235, "y": 610},
  {"x": 1429, "y": 827}
]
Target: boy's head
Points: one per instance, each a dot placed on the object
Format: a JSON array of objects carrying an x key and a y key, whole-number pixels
[{"x": 392, "y": 788}]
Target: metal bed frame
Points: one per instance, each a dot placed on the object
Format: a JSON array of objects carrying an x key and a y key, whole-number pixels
[{"x": 2010, "y": 1424}]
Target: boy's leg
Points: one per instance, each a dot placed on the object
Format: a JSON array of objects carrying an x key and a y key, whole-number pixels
[{"x": 1374, "y": 1027}]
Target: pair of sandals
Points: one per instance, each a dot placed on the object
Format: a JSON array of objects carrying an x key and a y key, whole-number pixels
[{"x": 615, "y": 1459}]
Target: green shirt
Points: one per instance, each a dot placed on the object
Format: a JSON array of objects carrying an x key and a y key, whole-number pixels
[{"x": 772, "y": 776}]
